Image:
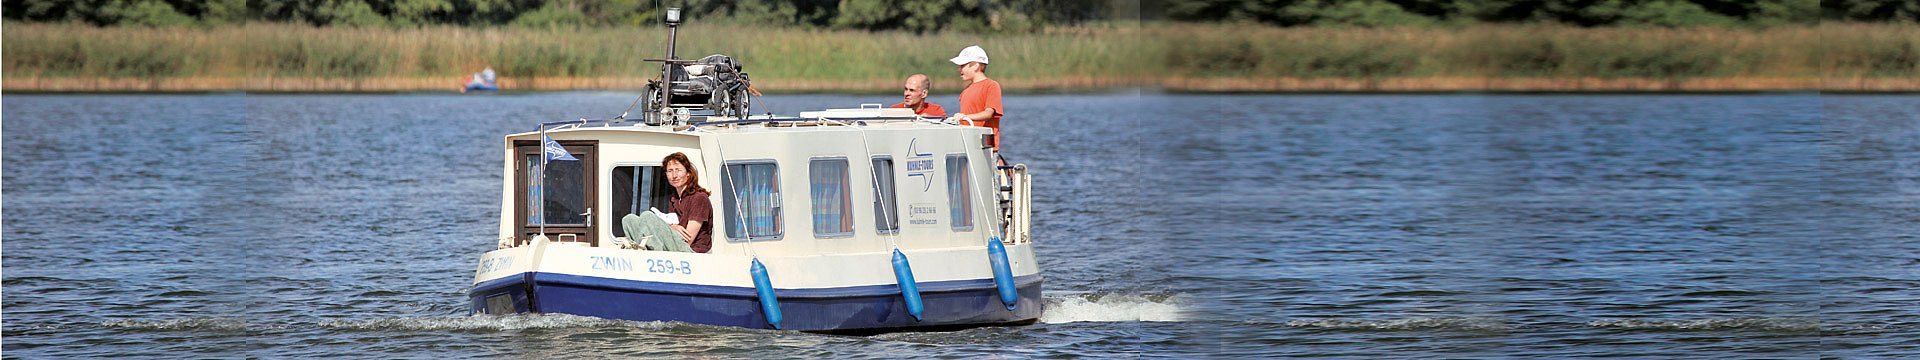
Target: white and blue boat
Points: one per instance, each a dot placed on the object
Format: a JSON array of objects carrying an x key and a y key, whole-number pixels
[
  {"x": 839, "y": 220},
  {"x": 480, "y": 87},
  {"x": 482, "y": 81}
]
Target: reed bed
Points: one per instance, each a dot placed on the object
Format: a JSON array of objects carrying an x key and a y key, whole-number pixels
[
  {"x": 287, "y": 57},
  {"x": 1535, "y": 51}
]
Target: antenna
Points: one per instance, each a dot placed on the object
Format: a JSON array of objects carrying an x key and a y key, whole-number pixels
[{"x": 673, "y": 26}]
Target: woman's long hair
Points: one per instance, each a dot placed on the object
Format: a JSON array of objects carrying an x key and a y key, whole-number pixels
[{"x": 693, "y": 176}]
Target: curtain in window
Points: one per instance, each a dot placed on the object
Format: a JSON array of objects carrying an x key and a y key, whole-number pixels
[
  {"x": 757, "y": 186},
  {"x": 831, "y": 209},
  {"x": 959, "y": 199},
  {"x": 533, "y": 190},
  {"x": 886, "y": 213}
]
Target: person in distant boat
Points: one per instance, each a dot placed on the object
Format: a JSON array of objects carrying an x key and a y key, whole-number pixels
[
  {"x": 980, "y": 101},
  {"x": 914, "y": 97},
  {"x": 689, "y": 202},
  {"x": 483, "y": 80}
]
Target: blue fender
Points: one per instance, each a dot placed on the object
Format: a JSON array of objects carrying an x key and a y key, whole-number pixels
[
  {"x": 1002, "y": 273},
  {"x": 903, "y": 273},
  {"x": 764, "y": 286}
]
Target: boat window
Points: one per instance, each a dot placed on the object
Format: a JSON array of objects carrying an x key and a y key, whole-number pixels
[
  {"x": 959, "y": 192},
  {"x": 568, "y": 193},
  {"x": 886, "y": 212},
  {"x": 832, "y": 203},
  {"x": 753, "y": 188},
  {"x": 565, "y": 193},
  {"x": 635, "y": 194}
]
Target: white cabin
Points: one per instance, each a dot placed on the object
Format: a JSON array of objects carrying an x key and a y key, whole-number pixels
[{"x": 805, "y": 186}]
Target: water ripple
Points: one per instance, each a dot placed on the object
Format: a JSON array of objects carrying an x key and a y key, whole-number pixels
[
  {"x": 1792, "y": 325},
  {"x": 1260, "y": 226},
  {"x": 1418, "y": 323}
]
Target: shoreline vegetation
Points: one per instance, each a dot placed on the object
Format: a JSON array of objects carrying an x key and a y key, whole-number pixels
[{"x": 276, "y": 57}]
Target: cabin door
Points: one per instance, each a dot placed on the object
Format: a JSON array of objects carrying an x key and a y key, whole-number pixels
[{"x": 563, "y": 201}]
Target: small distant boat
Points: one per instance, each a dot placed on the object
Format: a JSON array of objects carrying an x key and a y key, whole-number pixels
[
  {"x": 481, "y": 87},
  {"x": 482, "y": 81}
]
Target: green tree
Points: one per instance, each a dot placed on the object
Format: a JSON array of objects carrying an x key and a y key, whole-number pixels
[
  {"x": 554, "y": 15},
  {"x": 99, "y": 12},
  {"x": 419, "y": 12},
  {"x": 1871, "y": 10},
  {"x": 1265, "y": 11},
  {"x": 1364, "y": 13},
  {"x": 395, "y": 12},
  {"x": 1778, "y": 12},
  {"x": 621, "y": 12},
  {"x": 1671, "y": 13},
  {"x": 912, "y": 15},
  {"x": 868, "y": 14},
  {"x": 141, "y": 13},
  {"x": 216, "y": 12},
  {"x": 347, "y": 13}
]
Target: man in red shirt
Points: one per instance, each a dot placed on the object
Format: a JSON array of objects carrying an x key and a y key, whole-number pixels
[
  {"x": 980, "y": 102},
  {"x": 915, "y": 97}
]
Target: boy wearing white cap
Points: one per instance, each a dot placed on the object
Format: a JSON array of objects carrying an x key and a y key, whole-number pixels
[{"x": 980, "y": 102}]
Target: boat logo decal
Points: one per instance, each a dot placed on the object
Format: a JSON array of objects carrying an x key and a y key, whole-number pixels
[
  {"x": 495, "y": 264},
  {"x": 610, "y": 263},
  {"x": 920, "y": 165},
  {"x": 658, "y": 266},
  {"x": 664, "y": 266}
]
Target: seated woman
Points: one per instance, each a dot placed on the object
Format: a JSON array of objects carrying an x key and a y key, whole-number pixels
[
  {"x": 688, "y": 206},
  {"x": 651, "y": 230}
]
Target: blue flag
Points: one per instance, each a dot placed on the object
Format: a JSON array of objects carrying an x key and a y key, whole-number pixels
[{"x": 554, "y": 151}]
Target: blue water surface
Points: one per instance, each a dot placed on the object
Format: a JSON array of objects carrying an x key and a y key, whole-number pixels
[{"x": 1326, "y": 226}]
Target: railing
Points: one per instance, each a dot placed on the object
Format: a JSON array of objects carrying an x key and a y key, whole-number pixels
[{"x": 1017, "y": 204}]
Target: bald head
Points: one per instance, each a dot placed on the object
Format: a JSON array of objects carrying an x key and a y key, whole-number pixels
[
  {"x": 920, "y": 81},
  {"x": 915, "y": 90}
]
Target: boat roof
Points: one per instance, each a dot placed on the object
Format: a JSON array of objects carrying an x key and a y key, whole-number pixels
[{"x": 697, "y": 126}]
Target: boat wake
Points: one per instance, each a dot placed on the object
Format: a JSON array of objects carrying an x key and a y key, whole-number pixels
[
  {"x": 1418, "y": 323},
  {"x": 1111, "y": 307},
  {"x": 1061, "y": 308},
  {"x": 1753, "y": 324},
  {"x": 211, "y": 324},
  {"x": 487, "y": 323}
]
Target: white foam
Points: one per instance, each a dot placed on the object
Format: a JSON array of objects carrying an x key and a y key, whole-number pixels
[
  {"x": 1417, "y": 323},
  {"x": 486, "y": 322},
  {"x": 198, "y": 323},
  {"x": 1789, "y": 324},
  {"x": 1111, "y": 308}
]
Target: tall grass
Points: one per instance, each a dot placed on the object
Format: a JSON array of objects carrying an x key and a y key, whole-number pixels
[
  {"x": 1066, "y": 57},
  {"x": 1539, "y": 51},
  {"x": 1870, "y": 51},
  {"x": 296, "y": 51}
]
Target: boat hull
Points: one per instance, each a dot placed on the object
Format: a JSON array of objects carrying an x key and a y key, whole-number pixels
[{"x": 879, "y": 307}]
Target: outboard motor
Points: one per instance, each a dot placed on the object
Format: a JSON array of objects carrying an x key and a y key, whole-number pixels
[{"x": 716, "y": 84}]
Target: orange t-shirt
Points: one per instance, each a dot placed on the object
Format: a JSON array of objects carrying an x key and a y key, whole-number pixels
[
  {"x": 980, "y": 96},
  {"x": 931, "y": 109}
]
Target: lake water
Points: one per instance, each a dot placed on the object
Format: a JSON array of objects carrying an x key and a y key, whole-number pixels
[{"x": 1665, "y": 226}]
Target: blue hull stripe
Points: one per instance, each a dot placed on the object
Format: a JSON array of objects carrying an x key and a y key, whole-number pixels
[
  {"x": 729, "y": 291},
  {"x": 857, "y": 307}
]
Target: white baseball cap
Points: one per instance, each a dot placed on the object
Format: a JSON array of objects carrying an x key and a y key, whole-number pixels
[{"x": 971, "y": 54}]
